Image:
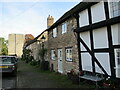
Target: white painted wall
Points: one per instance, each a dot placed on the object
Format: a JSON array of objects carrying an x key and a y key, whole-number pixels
[
  {"x": 98, "y": 12},
  {"x": 103, "y": 58},
  {"x": 117, "y": 67},
  {"x": 86, "y": 62},
  {"x": 115, "y": 34},
  {"x": 114, "y": 8},
  {"x": 83, "y": 18},
  {"x": 86, "y": 38},
  {"x": 110, "y": 9},
  {"x": 100, "y": 38}
]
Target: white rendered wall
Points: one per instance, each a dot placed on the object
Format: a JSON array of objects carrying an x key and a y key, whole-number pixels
[
  {"x": 117, "y": 67},
  {"x": 110, "y": 9},
  {"x": 104, "y": 60},
  {"x": 83, "y": 18},
  {"x": 115, "y": 34},
  {"x": 114, "y": 8},
  {"x": 86, "y": 62},
  {"x": 100, "y": 38},
  {"x": 98, "y": 12},
  {"x": 86, "y": 38},
  {"x": 116, "y": 64}
]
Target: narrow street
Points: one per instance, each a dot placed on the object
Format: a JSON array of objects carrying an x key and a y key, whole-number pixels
[
  {"x": 28, "y": 77},
  {"x": 9, "y": 82}
]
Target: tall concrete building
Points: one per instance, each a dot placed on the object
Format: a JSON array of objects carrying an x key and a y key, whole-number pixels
[{"x": 15, "y": 44}]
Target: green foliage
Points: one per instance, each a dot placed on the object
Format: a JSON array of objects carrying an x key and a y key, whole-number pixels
[
  {"x": 33, "y": 63},
  {"x": 4, "y": 51},
  {"x": 26, "y": 55},
  {"x": 44, "y": 65},
  {"x": 26, "y": 51},
  {"x": 3, "y": 46},
  {"x": 73, "y": 77},
  {"x": 42, "y": 53},
  {"x": 111, "y": 83}
]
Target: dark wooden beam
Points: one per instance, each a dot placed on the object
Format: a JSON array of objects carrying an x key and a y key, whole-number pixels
[
  {"x": 92, "y": 55},
  {"x": 116, "y": 46},
  {"x": 91, "y": 39},
  {"x": 101, "y": 50},
  {"x": 104, "y": 23},
  {"x": 110, "y": 43}
]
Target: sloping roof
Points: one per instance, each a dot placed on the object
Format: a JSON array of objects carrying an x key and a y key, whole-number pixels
[
  {"x": 80, "y": 7},
  {"x": 29, "y": 36},
  {"x": 34, "y": 40}
]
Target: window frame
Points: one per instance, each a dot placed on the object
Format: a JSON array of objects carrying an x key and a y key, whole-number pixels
[
  {"x": 64, "y": 27},
  {"x": 118, "y": 57},
  {"x": 68, "y": 54},
  {"x": 115, "y": 8},
  {"x": 53, "y": 54},
  {"x": 54, "y": 32}
]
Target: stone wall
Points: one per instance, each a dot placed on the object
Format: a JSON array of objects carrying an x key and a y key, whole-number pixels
[{"x": 63, "y": 41}]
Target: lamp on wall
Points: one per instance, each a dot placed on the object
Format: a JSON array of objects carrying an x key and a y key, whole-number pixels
[{"x": 43, "y": 39}]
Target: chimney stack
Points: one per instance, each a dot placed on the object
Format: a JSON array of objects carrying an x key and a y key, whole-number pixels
[{"x": 50, "y": 21}]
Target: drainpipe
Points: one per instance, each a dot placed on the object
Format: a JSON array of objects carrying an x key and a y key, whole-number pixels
[{"x": 76, "y": 16}]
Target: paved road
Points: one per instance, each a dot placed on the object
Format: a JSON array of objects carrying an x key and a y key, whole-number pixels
[
  {"x": 28, "y": 77},
  {"x": 0, "y": 81},
  {"x": 9, "y": 82}
]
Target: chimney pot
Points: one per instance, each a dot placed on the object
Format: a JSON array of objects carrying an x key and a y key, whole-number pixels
[{"x": 50, "y": 21}]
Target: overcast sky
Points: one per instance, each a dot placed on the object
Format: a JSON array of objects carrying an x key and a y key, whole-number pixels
[{"x": 29, "y": 17}]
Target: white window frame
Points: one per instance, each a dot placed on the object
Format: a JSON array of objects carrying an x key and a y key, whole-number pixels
[
  {"x": 64, "y": 27},
  {"x": 115, "y": 9},
  {"x": 83, "y": 18},
  {"x": 52, "y": 54},
  {"x": 69, "y": 54},
  {"x": 118, "y": 57},
  {"x": 55, "y": 32}
]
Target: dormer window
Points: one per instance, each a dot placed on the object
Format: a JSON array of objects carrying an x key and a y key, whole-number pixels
[
  {"x": 54, "y": 32},
  {"x": 64, "y": 28}
]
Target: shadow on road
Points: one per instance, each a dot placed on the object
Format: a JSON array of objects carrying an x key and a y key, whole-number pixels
[{"x": 9, "y": 81}]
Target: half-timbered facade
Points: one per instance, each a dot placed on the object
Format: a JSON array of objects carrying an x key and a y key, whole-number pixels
[{"x": 98, "y": 30}]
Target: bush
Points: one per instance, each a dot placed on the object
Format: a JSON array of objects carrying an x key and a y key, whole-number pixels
[
  {"x": 44, "y": 65},
  {"x": 33, "y": 63},
  {"x": 73, "y": 76}
]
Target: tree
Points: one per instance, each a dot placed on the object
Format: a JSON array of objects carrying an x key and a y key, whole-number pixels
[
  {"x": 26, "y": 55},
  {"x": 3, "y": 46},
  {"x": 43, "y": 64},
  {"x": 42, "y": 53}
]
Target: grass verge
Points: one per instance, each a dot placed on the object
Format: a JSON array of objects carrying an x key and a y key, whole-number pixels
[{"x": 62, "y": 80}]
